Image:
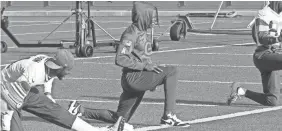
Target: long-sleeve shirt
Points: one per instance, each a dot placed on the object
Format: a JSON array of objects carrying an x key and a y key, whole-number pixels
[
  {"x": 136, "y": 47},
  {"x": 134, "y": 50},
  {"x": 31, "y": 71}
]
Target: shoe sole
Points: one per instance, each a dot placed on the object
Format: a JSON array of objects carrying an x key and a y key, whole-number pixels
[
  {"x": 176, "y": 126},
  {"x": 234, "y": 88},
  {"x": 187, "y": 125}
]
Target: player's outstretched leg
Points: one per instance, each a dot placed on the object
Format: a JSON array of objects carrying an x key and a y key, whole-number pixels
[{"x": 75, "y": 108}]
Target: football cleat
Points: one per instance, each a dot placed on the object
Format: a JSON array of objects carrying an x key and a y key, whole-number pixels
[
  {"x": 172, "y": 120},
  {"x": 74, "y": 108},
  {"x": 234, "y": 93},
  {"x": 118, "y": 126}
]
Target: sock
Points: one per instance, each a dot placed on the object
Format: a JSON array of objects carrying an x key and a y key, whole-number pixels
[{"x": 241, "y": 91}]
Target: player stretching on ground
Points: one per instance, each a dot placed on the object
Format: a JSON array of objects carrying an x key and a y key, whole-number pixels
[
  {"x": 139, "y": 73},
  {"x": 26, "y": 85},
  {"x": 267, "y": 57}
]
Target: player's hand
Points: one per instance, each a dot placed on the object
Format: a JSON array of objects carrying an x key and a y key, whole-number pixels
[{"x": 154, "y": 68}]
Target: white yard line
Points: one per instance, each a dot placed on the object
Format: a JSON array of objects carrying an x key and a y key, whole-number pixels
[
  {"x": 165, "y": 51},
  {"x": 215, "y": 118},
  {"x": 144, "y": 103},
  {"x": 180, "y": 65},
  {"x": 182, "y": 81},
  {"x": 235, "y": 54}
]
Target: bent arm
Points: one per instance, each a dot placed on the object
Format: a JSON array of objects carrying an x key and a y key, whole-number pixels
[{"x": 125, "y": 57}]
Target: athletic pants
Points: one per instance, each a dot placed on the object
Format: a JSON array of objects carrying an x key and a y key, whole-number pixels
[
  {"x": 268, "y": 63},
  {"x": 134, "y": 85}
]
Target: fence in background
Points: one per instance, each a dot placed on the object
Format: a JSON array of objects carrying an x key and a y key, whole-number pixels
[{"x": 127, "y": 5}]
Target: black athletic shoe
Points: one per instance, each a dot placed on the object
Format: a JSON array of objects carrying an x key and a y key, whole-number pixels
[{"x": 172, "y": 120}]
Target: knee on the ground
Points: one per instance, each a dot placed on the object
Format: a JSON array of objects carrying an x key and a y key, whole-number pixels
[{"x": 271, "y": 100}]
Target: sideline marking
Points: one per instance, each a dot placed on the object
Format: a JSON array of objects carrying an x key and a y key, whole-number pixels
[
  {"x": 144, "y": 103},
  {"x": 214, "y": 118},
  {"x": 172, "y": 50},
  {"x": 182, "y": 81},
  {"x": 179, "y": 65}
]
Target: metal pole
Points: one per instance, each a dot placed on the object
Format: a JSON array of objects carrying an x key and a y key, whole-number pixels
[
  {"x": 104, "y": 30},
  {"x": 77, "y": 5},
  {"x": 167, "y": 29},
  {"x": 81, "y": 26},
  {"x": 152, "y": 35},
  {"x": 46, "y": 3},
  {"x": 8, "y": 3},
  {"x": 55, "y": 29},
  {"x": 13, "y": 38},
  {"x": 216, "y": 14},
  {"x": 88, "y": 22}
]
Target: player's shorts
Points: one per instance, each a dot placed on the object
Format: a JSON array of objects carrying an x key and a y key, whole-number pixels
[{"x": 37, "y": 103}]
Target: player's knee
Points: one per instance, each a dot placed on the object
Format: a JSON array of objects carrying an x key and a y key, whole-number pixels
[
  {"x": 271, "y": 101},
  {"x": 172, "y": 70}
]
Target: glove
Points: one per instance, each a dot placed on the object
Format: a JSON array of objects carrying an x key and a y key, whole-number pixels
[{"x": 152, "y": 67}]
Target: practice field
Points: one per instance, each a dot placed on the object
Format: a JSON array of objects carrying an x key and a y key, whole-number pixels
[{"x": 207, "y": 65}]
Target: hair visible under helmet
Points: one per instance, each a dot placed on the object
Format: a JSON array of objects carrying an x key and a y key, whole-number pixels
[{"x": 142, "y": 15}]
